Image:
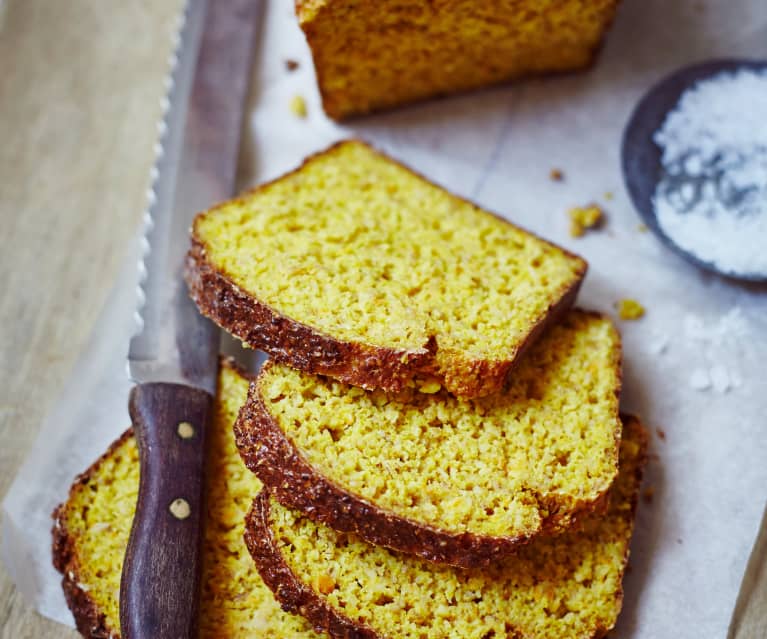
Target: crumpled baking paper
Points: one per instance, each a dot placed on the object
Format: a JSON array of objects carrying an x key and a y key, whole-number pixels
[{"x": 705, "y": 483}]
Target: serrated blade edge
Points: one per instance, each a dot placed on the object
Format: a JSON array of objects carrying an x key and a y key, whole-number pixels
[{"x": 196, "y": 161}]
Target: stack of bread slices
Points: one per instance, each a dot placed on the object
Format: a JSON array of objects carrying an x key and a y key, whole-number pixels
[{"x": 435, "y": 443}]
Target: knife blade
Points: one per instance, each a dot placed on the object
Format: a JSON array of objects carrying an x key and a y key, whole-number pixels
[{"x": 173, "y": 357}]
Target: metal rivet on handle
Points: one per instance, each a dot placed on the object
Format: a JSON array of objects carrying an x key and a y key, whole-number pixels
[
  {"x": 180, "y": 508},
  {"x": 185, "y": 430}
]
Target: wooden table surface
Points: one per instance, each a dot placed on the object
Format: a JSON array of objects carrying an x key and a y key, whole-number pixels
[{"x": 80, "y": 84}]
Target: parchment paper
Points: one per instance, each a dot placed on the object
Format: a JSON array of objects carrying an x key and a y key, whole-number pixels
[{"x": 708, "y": 477}]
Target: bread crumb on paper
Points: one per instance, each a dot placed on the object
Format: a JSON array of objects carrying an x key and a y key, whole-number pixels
[
  {"x": 629, "y": 309},
  {"x": 584, "y": 218},
  {"x": 298, "y": 106}
]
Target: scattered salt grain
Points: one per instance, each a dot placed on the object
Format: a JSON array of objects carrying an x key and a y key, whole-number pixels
[
  {"x": 718, "y": 342},
  {"x": 658, "y": 344},
  {"x": 720, "y": 378},
  {"x": 699, "y": 380},
  {"x": 712, "y": 200},
  {"x": 298, "y": 106}
]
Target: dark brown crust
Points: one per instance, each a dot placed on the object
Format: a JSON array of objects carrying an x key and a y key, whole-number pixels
[
  {"x": 292, "y": 594},
  {"x": 90, "y": 621},
  {"x": 340, "y": 115},
  {"x": 298, "y": 598},
  {"x": 270, "y": 454},
  {"x": 291, "y": 342},
  {"x": 364, "y": 365},
  {"x": 643, "y": 438}
]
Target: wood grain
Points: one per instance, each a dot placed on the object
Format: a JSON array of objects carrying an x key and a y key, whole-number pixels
[
  {"x": 79, "y": 102},
  {"x": 159, "y": 589}
]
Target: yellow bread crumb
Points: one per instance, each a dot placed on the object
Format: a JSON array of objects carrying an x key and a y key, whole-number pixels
[
  {"x": 629, "y": 309},
  {"x": 298, "y": 106},
  {"x": 583, "y": 218}
]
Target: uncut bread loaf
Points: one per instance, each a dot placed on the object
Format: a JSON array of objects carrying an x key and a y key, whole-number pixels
[
  {"x": 354, "y": 267},
  {"x": 564, "y": 587},
  {"x": 458, "y": 482},
  {"x": 91, "y": 532},
  {"x": 375, "y": 55}
]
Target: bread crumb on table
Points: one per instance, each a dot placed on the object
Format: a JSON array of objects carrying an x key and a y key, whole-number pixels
[
  {"x": 584, "y": 218},
  {"x": 298, "y": 106},
  {"x": 291, "y": 65},
  {"x": 556, "y": 175},
  {"x": 661, "y": 434},
  {"x": 629, "y": 309}
]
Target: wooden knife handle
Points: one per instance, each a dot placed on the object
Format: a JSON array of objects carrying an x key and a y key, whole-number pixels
[{"x": 161, "y": 574}]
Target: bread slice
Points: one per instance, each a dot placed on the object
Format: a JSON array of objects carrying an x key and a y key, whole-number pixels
[
  {"x": 355, "y": 267},
  {"x": 375, "y": 55},
  {"x": 458, "y": 482},
  {"x": 565, "y": 587},
  {"x": 91, "y": 532}
]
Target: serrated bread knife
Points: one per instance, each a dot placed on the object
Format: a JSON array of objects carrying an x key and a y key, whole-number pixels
[{"x": 173, "y": 358}]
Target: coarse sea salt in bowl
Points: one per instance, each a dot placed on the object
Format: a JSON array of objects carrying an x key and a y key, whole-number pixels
[{"x": 695, "y": 164}]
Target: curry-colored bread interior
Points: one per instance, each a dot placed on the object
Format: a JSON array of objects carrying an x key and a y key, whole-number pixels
[
  {"x": 353, "y": 237},
  {"x": 491, "y": 466},
  {"x": 564, "y": 587},
  {"x": 98, "y": 518},
  {"x": 235, "y": 602},
  {"x": 373, "y": 55}
]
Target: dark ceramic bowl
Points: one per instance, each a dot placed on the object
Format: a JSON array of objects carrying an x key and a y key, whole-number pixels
[{"x": 641, "y": 157}]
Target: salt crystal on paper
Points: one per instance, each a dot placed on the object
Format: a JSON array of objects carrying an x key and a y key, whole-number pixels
[
  {"x": 720, "y": 378},
  {"x": 658, "y": 344},
  {"x": 718, "y": 342},
  {"x": 699, "y": 380}
]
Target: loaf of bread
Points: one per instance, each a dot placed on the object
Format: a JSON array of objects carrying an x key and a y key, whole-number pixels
[
  {"x": 355, "y": 267},
  {"x": 91, "y": 533},
  {"x": 458, "y": 482},
  {"x": 375, "y": 55},
  {"x": 564, "y": 587}
]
